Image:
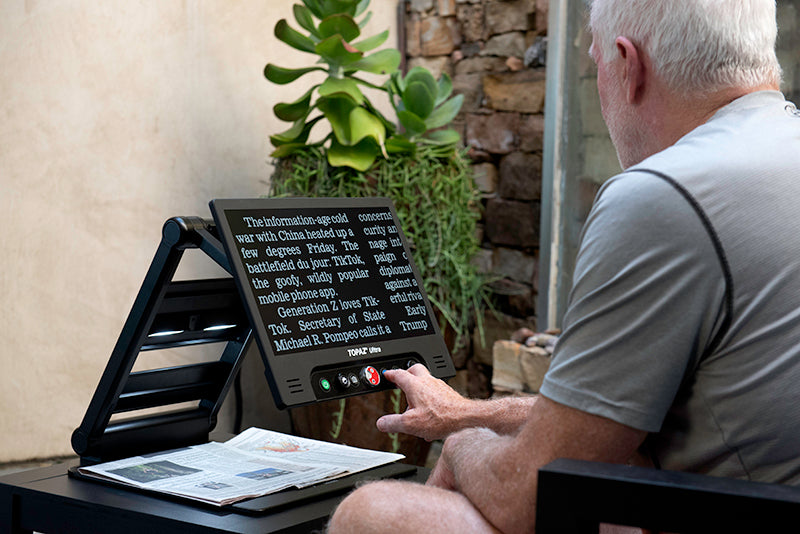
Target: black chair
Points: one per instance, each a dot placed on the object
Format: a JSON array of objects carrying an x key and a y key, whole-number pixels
[{"x": 577, "y": 496}]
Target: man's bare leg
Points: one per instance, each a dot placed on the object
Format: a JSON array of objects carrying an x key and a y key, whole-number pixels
[{"x": 397, "y": 507}]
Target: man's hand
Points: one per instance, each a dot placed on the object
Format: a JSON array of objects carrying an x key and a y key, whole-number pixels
[{"x": 434, "y": 408}]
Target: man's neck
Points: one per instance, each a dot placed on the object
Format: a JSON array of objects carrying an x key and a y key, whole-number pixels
[{"x": 673, "y": 116}]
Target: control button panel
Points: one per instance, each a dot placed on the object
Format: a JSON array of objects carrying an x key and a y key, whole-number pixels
[{"x": 358, "y": 377}]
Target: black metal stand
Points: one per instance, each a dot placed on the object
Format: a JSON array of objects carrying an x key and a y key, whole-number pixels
[{"x": 168, "y": 314}]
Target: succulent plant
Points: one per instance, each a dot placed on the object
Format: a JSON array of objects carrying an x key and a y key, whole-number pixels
[
  {"x": 359, "y": 133},
  {"x": 358, "y": 130},
  {"x": 423, "y": 107}
]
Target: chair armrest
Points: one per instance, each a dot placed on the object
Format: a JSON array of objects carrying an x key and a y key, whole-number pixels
[{"x": 576, "y": 496}]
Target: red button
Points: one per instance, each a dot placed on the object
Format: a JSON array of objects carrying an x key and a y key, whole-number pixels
[{"x": 371, "y": 375}]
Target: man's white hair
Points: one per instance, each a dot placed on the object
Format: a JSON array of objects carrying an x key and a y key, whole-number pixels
[{"x": 696, "y": 46}]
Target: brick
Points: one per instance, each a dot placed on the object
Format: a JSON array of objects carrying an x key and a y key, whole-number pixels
[
  {"x": 534, "y": 362},
  {"x": 541, "y": 16},
  {"x": 471, "y": 87},
  {"x": 520, "y": 176},
  {"x": 483, "y": 260},
  {"x": 485, "y": 175},
  {"x": 518, "y": 368},
  {"x": 482, "y": 65},
  {"x": 413, "y": 35},
  {"x": 521, "y": 304},
  {"x": 506, "y": 44},
  {"x": 531, "y": 133},
  {"x": 515, "y": 15},
  {"x": 439, "y": 36},
  {"x": 522, "y": 91},
  {"x": 469, "y": 50},
  {"x": 506, "y": 369},
  {"x": 421, "y": 6},
  {"x": 514, "y": 264},
  {"x": 446, "y": 8},
  {"x": 495, "y": 133},
  {"x": 512, "y": 223},
  {"x": 470, "y": 19}
]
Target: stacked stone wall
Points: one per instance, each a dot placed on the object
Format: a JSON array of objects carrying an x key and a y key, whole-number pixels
[{"x": 494, "y": 51}]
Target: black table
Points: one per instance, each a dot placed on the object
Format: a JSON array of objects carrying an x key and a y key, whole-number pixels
[{"x": 48, "y": 500}]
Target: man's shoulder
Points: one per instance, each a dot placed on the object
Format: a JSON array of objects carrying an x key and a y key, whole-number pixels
[
  {"x": 645, "y": 192},
  {"x": 755, "y": 131}
]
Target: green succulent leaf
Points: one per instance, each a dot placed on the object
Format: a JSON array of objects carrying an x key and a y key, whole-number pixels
[
  {"x": 360, "y": 156},
  {"x": 418, "y": 99},
  {"x": 389, "y": 125},
  {"x": 314, "y": 7},
  {"x": 444, "y": 137},
  {"x": 397, "y": 145},
  {"x": 335, "y": 51},
  {"x": 305, "y": 19},
  {"x": 332, "y": 7},
  {"x": 298, "y": 133},
  {"x": 371, "y": 43},
  {"x": 292, "y": 37},
  {"x": 445, "y": 113},
  {"x": 337, "y": 86},
  {"x": 287, "y": 150},
  {"x": 293, "y": 111},
  {"x": 381, "y": 62},
  {"x": 337, "y": 110},
  {"x": 445, "y": 88},
  {"x": 396, "y": 84},
  {"x": 282, "y": 76},
  {"x": 365, "y": 83},
  {"x": 412, "y": 123},
  {"x": 339, "y": 24},
  {"x": 365, "y": 20},
  {"x": 361, "y": 7},
  {"x": 365, "y": 124},
  {"x": 424, "y": 76}
]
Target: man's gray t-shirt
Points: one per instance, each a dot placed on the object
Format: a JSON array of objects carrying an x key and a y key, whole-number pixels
[{"x": 684, "y": 317}]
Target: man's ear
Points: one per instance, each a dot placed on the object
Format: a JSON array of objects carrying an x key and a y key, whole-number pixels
[{"x": 633, "y": 69}]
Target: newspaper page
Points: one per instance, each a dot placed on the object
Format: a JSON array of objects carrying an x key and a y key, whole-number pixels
[
  {"x": 270, "y": 445},
  {"x": 257, "y": 462}
]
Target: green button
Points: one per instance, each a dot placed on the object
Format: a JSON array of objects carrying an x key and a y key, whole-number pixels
[{"x": 325, "y": 384}]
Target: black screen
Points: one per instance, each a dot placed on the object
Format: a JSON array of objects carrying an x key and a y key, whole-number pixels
[{"x": 328, "y": 277}]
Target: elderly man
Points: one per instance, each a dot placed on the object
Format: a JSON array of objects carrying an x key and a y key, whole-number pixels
[{"x": 682, "y": 334}]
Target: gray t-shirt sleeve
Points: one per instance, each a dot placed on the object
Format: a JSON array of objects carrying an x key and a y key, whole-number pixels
[{"x": 647, "y": 298}]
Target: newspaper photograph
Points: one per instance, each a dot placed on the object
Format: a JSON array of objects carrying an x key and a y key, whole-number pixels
[{"x": 254, "y": 463}]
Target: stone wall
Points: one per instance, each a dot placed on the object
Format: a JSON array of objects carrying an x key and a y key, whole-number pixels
[{"x": 494, "y": 50}]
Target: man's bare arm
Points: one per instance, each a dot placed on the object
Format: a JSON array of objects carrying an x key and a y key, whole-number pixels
[
  {"x": 435, "y": 410},
  {"x": 498, "y": 474}
]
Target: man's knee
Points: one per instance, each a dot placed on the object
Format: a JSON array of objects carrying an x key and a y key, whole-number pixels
[{"x": 368, "y": 507}]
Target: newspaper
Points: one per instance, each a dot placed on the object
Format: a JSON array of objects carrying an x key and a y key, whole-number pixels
[{"x": 256, "y": 462}]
